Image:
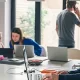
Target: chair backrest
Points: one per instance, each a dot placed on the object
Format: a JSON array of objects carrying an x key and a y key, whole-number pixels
[
  {"x": 43, "y": 53},
  {"x": 73, "y": 53}
]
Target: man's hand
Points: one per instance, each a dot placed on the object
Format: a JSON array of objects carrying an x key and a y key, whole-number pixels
[
  {"x": 54, "y": 76},
  {"x": 51, "y": 76},
  {"x": 62, "y": 72},
  {"x": 77, "y": 11}
]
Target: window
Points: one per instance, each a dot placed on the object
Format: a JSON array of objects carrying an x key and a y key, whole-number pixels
[
  {"x": 50, "y": 10},
  {"x": 77, "y": 32},
  {"x": 25, "y": 17}
]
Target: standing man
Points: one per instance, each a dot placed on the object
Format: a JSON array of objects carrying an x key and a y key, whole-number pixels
[{"x": 65, "y": 24}]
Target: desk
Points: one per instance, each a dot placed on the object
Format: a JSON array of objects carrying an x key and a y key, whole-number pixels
[{"x": 5, "y": 69}]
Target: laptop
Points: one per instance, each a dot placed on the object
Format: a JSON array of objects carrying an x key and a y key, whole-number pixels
[
  {"x": 57, "y": 53},
  {"x": 18, "y": 50},
  {"x": 31, "y": 74},
  {"x": 6, "y": 52}
]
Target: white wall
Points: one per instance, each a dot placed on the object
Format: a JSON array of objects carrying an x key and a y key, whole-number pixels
[
  {"x": 5, "y": 21},
  {"x": 2, "y": 17}
]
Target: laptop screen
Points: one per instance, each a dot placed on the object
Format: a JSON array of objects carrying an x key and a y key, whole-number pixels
[
  {"x": 57, "y": 53},
  {"x": 6, "y": 52},
  {"x": 18, "y": 49}
]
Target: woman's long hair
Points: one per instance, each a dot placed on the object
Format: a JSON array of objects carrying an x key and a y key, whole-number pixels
[{"x": 18, "y": 31}]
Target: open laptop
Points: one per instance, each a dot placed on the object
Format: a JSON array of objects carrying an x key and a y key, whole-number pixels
[
  {"x": 31, "y": 74},
  {"x": 6, "y": 52},
  {"x": 57, "y": 53},
  {"x": 18, "y": 50}
]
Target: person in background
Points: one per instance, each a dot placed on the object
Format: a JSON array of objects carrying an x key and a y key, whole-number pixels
[
  {"x": 1, "y": 44},
  {"x": 63, "y": 75},
  {"x": 65, "y": 24},
  {"x": 18, "y": 39}
]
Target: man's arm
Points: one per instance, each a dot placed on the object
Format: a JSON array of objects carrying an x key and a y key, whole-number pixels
[
  {"x": 74, "y": 71},
  {"x": 69, "y": 77},
  {"x": 69, "y": 72},
  {"x": 79, "y": 25},
  {"x": 79, "y": 19},
  {"x": 64, "y": 75}
]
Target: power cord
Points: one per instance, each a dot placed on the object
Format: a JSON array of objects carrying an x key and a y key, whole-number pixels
[
  {"x": 33, "y": 70},
  {"x": 9, "y": 71},
  {"x": 16, "y": 73}
]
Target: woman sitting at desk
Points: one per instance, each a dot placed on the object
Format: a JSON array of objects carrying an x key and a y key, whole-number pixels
[
  {"x": 63, "y": 75},
  {"x": 17, "y": 38}
]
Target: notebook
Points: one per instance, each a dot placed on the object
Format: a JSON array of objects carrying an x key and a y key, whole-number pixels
[
  {"x": 6, "y": 52},
  {"x": 57, "y": 53},
  {"x": 18, "y": 50}
]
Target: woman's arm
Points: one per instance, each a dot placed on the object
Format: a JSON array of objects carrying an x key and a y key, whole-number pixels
[
  {"x": 37, "y": 48},
  {"x": 10, "y": 45}
]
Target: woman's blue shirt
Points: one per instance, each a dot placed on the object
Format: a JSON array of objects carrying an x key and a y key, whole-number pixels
[{"x": 28, "y": 41}]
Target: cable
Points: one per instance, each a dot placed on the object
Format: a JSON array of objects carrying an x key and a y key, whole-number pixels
[
  {"x": 9, "y": 72},
  {"x": 35, "y": 69},
  {"x": 32, "y": 70}
]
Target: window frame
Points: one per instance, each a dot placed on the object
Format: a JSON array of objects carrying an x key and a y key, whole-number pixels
[{"x": 37, "y": 18}]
